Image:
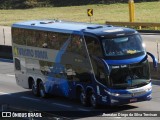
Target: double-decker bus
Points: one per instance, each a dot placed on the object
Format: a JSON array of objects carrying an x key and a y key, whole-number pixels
[{"x": 96, "y": 64}]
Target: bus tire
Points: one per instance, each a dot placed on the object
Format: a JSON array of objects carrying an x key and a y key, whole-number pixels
[
  {"x": 83, "y": 98},
  {"x": 34, "y": 88},
  {"x": 93, "y": 100},
  {"x": 42, "y": 92}
]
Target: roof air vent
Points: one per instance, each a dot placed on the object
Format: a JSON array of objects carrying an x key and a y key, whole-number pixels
[
  {"x": 94, "y": 27},
  {"x": 109, "y": 25},
  {"x": 47, "y": 22},
  {"x": 33, "y": 24}
]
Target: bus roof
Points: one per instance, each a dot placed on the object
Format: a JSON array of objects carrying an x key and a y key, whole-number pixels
[{"x": 73, "y": 27}]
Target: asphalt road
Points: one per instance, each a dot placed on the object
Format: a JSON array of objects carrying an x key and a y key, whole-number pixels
[
  {"x": 151, "y": 41},
  {"x": 22, "y": 99}
]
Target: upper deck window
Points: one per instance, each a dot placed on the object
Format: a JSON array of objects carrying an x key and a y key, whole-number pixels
[
  {"x": 123, "y": 45},
  {"x": 18, "y": 36},
  {"x": 93, "y": 45}
]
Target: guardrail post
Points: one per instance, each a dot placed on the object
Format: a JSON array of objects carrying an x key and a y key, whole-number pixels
[
  {"x": 155, "y": 28},
  {"x": 131, "y": 10},
  {"x": 4, "y": 36},
  {"x": 158, "y": 51}
]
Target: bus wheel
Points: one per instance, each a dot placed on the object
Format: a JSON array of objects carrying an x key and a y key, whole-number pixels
[
  {"x": 93, "y": 100},
  {"x": 83, "y": 99},
  {"x": 42, "y": 91},
  {"x": 34, "y": 88}
]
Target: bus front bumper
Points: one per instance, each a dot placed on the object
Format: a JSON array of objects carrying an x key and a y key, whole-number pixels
[{"x": 118, "y": 100}]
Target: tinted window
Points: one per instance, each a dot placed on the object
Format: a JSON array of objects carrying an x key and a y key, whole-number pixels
[
  {"x": 30, "y": 37},
  {"x": 18, "y": 36},
  {"x": 17, "y": 64},
  {"x": 93, "y": 46},
  {"x": 41, "y": 38},
  {"x": 76, "y": 45},
  {"x": 122, "y": 46},
  {"x": 100, "y": 72},
  {"x": 45, "y": 67},
  {"x": 82, "y": 74},
  {"x": 57, "y": 40},
  {"x": 70, "y": 72},
  {"x": 77, "y": 73},
  {"x": 53, "y": 42}
]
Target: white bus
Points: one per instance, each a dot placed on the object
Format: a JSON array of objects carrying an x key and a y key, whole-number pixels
[{"x": 97, "y": 64}]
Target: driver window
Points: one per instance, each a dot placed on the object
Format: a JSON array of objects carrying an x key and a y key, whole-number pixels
[
  {"x": 93, "y": 46},
  {"x": 101, "y": 74}
]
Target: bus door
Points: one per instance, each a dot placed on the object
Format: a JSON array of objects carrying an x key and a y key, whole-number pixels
[{"x": 20, "y": 70}]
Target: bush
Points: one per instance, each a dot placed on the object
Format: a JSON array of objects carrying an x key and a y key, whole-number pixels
[
  {"x": 23, "y": 4},
  {"x": 85, "y": 2},
  {"x": 17, "y": 4},
  {"x": 30, "y": 3}
]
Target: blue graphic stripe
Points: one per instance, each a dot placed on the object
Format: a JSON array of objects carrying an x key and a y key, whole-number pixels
[
  {"x": 62, "y": 51},
  {"x": 126, "y": 61}
]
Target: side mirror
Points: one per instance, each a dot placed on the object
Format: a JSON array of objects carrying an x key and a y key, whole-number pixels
[
  {"x": 107, "y": 67},
  {"x": 155, "y": 61}
]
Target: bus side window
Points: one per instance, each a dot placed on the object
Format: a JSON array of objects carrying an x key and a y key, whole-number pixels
[
  {"x": 70, "y": 72},
  {"x": 30, "y": 37},
  {"x": 83, "y": 74},
  {"x": 93, "y": 46},
  {"x": 41, "y": 38},
  {"x": 53, "y": 42},
  {"x": 63, "y": 37},
  {"x": 76, "y": 45},
  {"x": 17, "y": 64},
  {"x": 18, "y": 36},
  {"x": 100, "y": 73},
  {"x": 57, "y": 40}
]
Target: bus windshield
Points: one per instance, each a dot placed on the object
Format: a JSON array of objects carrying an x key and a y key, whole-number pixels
[
  {"x": 121, "y": 46},
  {"x": 130, "y": 76}
]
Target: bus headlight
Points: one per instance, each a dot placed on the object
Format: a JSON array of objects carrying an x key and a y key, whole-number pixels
[{"x": 115, "y": 94}]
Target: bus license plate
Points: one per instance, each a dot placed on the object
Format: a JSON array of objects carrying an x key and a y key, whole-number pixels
[{"x": 133, "y": 100}]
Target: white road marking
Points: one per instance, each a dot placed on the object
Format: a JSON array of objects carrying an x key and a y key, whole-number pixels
[
  {"x": 82, "y": 109},
  {"x": 3, "y": 93},
  {"x": 10, "y": 75},
  {"x": 62, "y": 105},
  {"x": 29, "y": 98}
]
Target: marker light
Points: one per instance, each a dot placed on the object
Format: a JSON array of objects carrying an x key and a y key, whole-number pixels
[{"x": 143, "y": 45}]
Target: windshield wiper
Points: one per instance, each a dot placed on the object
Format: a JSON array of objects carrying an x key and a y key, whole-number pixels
[{"x": 141, "y": 84}]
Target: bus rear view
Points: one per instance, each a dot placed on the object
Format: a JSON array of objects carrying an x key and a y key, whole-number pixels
[{"x": 95, "y": 64}]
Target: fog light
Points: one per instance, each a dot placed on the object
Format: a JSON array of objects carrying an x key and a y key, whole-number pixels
[{"x": 114, "y": 101}]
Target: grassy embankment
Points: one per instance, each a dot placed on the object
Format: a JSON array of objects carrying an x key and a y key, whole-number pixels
[{"x": 145, "y": 12}]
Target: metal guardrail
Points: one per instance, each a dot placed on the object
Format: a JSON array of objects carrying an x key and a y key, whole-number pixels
[
  {"x": 6, "y": 53},
  {"x": 140, "y": 25}
]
